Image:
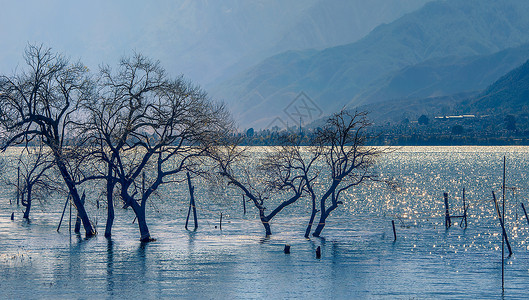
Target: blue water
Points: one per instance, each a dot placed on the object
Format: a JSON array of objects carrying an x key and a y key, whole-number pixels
[{"x": 359, "y": 257}]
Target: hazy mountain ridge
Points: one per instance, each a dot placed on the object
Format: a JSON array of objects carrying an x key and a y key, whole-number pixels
[
  {"x": 508, "y": 95},
  {"x": 445, "y": 76},
  {"x": 334, "y": 76}
]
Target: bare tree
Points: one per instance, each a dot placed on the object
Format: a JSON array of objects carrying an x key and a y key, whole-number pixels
[
  {"x": 274, "y": 176},
  {"x": 43, "y": 103},
  {"x": 336, "y": 160},
  {"x": 35, "y": 164},
  {"x": 347, "y": 161},
  {"x": 146, "y": 123}
]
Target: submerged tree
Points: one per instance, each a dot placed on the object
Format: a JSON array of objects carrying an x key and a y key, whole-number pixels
[
  {"x": 274, "y": 177},
  {"x": 35, "y": 164},
  {"x": 146, "y": 124},
  {"x": 347, "y": 161},
  {"x": 335, "y": 161},
  {"x": 42, "y": 102}
]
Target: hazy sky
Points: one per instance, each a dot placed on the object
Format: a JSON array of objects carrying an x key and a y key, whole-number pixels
[
  {"x": 94, "y": 31},
  {"x": 188, "y": 36},
  {"x": 205, "y": 40}
]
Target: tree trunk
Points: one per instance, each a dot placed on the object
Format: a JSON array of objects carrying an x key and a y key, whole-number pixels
[
  {"x": 321, "y": 224},
  {"x": 77, "y": 228},
  {"x": 27, "y": 203},
  {"x": 265, "y": 221},
  {"x": 312, "y": 217},
  {"x": 110, "y": 203},
  {"x": 266, "y": 224},
  {"x": 110, "y": 219},
  {"x": 326, "y": 212},
  {"x": 323, "y": 218},
  {"x": 76, "y": 199},
  {"x": 139, "y": 210}
]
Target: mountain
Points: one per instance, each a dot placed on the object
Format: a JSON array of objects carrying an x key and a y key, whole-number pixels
[
  {"x": 445, "y": 76},
  {"x": 333, "y": 77},
  {"x": 314, "y": 24},
  {"x": 204, "y": 40},
  {"x": 508, "y": 95}
]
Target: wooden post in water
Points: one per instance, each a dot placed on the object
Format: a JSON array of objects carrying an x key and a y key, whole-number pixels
[
  {"x": 70, "y": 222},
  {"x": 504, "y": 232},
  {"x": 191, "y": 202},
  {"x": 220, "y": 223},
  {"x": 18, "y": 185},
  {"x": 447, "y": 212},
  {"x": 318, "y": 252},
  {"x": 287, "y": 249},
  {"x": 394, "y": 232},
  {"x": 244, "y": 203},
  {"x": 464, "y": 210},
  {"x": 63, "y": 210},
  {"x": 525, "y": 212}
]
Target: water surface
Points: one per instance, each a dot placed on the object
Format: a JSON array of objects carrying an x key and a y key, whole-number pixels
[{"x": 360, "y": 258}]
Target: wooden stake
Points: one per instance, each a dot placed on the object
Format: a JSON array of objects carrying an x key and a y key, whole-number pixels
[
  {"x": 244, "y": 203},
  {"x": 447, "y": 213},
  {"x": 63, "y": 210},
  {"x": 318, "y": 252},
  {"x": 191, "y": 203},
  {"x": 70, "y": 222},
  {"x": 464, "y": 210},
  {"x": 504, "y": 232},
  {"x": 525, "y": 212},
  {"x": 287, "y": 249},
  {"x": 18, "y": 185},
  {"x": 220, "y": 223},
  {"x": 394, "y": 232}
]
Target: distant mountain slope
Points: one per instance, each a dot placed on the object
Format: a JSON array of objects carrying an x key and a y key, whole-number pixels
[
  {"x": 394, "y": 112},
  {"x": 336, "y": 22},
  {"x": 510, "y": 94},
  {"x": 507, "y": 95},
  {"x": 445, "y": 76},
  {"x": 334, "y": 76},
  {"x": 203, "y": 39},
  {"x": 317, "y": 24}
]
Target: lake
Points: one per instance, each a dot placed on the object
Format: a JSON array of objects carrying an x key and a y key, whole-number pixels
[{"x": 360, "y": 258}]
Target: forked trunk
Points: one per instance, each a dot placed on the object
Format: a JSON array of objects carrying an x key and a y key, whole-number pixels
[
  {"x": 323, "y": 218},
  {"x": 311, "y": 221},
  {"x": 76, "y": 199},
  {"x": 326, "y": 212},
  {"x": 266, "y": 222}
]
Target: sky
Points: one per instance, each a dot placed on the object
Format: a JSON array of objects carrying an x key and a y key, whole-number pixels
[
  {"x": 203, "y": 39},
  {"x": 197, "y": 38},
  {"x": 93, "y": 31}
]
